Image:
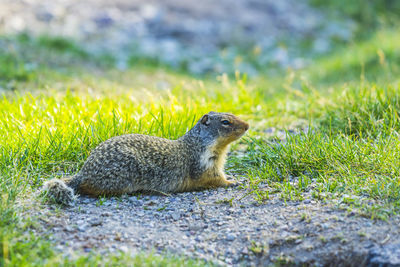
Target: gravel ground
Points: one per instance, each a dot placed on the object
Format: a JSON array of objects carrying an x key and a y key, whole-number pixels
[{"x": 226, "y": 226}]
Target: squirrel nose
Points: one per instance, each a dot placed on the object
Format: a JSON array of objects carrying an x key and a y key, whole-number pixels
[{"x": 246, "y": 126}]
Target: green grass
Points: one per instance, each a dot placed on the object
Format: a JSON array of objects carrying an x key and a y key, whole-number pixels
[
  {"x": 368, "y": 13},
  {"x": 369, "y": 111},
  {"x": 333, "y": 165},
  {"x": 374, "y": 59},
  {"x": 59, "y": 102}
]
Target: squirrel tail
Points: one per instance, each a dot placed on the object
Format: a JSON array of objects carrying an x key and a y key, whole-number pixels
[{"x": 61, "y": 191}]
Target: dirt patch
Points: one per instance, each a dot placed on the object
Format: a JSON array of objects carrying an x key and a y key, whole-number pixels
[{"x": 226, "y": 226}]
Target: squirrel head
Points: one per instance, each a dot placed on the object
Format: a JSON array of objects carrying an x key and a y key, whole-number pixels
[{"x": 220, "y": 128}]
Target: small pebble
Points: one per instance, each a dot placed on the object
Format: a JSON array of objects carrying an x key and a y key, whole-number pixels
[
  {"x": 230, "y": 237},
  {"x": 175, "y": 216},
  {"x": 95, "y": 222}
]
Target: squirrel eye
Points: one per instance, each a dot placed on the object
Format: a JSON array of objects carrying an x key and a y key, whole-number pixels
[{"x": 225, "y": 122}]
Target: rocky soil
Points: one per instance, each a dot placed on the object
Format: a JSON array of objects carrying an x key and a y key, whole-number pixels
[
  {"x": 202, "y": 35},
  {"x": 226, "y": 226}
]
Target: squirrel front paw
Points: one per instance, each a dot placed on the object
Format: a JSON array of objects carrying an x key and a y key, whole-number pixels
[{"x": 232, "y": 182}]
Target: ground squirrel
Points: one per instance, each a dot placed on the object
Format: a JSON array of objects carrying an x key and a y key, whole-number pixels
[{"x": 140, "y": 163}]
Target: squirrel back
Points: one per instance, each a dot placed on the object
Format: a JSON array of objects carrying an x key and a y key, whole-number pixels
[{"x": 140, "y": 163}]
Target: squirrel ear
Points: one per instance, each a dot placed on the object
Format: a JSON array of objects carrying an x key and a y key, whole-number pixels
[{"x": 205, "y": 120}]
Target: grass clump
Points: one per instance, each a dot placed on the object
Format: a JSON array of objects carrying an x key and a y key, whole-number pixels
[
  {"x": 12, "y": 68},
  {"x": 368, "y": 111},
  {"x": 334, "y": 164},
  {"x": 63, "y": 45}
]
